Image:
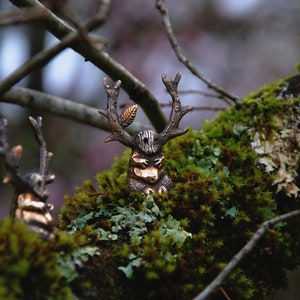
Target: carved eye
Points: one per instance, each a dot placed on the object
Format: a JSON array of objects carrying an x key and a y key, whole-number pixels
[{"x": 146, "y": 140}]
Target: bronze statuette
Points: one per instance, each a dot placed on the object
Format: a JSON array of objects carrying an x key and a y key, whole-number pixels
[
  {"x": 29, "y": 201},
  {"x": 146, "y": 170}
]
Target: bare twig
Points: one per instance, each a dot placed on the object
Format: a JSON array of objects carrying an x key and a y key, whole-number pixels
[
  {"x": 161, "y": 6},
  {"x": 197, "y": 107},
  {"x": 14, "y": 17},
  {"x": 243, "y": 252},
  {"x": 43, "y": 57},
  {"x": 137, "y": 91},
  {"x": 184, "y": 92},
  {"x": 224, "y": 294},
  {"x": 61, "y": 107},
  {"x": 37, "y": 61}
]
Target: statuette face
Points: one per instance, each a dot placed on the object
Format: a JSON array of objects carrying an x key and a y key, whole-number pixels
[
  {"x": 29, "y": 201},
  {"x": 146, "y": 171}
]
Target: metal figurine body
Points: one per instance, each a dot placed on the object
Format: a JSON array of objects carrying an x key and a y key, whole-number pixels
[
  {"x": 29, "y": 201},
  {"x": 146, "y": 170}
]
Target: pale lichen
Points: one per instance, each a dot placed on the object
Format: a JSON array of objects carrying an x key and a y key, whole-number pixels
[{"x": 278, "y": 151}]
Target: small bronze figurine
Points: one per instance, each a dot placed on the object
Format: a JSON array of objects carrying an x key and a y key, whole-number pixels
[
  {"x": 146, "y": 170},
  {"x": 29, "y": 201}
]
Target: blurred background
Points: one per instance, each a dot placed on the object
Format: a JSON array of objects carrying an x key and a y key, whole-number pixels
[{"x": 240, "y": 45}]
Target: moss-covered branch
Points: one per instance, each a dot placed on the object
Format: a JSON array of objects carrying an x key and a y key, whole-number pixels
[{"x": 262, "y": 230}]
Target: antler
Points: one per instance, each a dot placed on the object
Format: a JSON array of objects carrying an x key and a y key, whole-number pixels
[
  {"x": 171, "y": 130},
  {"x": 45, "y": 158},
  {"x": 29, "y": 201},
  {"x": 32, "y": 182},
  {"x": 116, "y": 122},
  {"x": 146, "y": 170}
]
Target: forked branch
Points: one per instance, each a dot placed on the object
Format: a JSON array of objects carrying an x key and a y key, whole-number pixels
[
  {"x": 161, "y": 6},
  {"x": 135, "y": 89}
]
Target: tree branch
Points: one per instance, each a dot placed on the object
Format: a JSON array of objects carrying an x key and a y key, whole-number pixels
[
  {"x": 216, "y": 108},
  {"x": 43, "y": 57},
  {"x": 135, "y": 89},
  {"x": 162, "y": 8},
  {"x": 243, "y": 252},
  {"x": 61, "y": 107},
  {"x": 14, "y": 17}
]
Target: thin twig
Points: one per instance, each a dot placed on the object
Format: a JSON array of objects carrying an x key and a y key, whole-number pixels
[
  {"x": 197, "y": 107},
  {"x": 61, "y": 107},
  {"x": 161, "y": 6},
  {"x": 137, "y": 90},
  {"x": 43, "y": 57},
  {"x": 224, "y": 293},
  {"x": 243, "y": 252},
  {"x": 14, "y": 17},
  {"x": 184, "y": 92}
]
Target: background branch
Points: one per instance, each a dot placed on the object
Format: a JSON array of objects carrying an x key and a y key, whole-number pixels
[
  {"x": 243, "y": 252},
  {"x": 43, "y": 57},
  {"x": 213, "y": 108},
  {"x": 14, "y": 17},
  {"x": 138, "y": 92},
  {"x": 161, "y": 6},
  {"x": 61, "y": 107}
]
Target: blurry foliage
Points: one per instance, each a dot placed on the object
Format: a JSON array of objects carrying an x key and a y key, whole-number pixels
[{"x": 31, "y": 268}]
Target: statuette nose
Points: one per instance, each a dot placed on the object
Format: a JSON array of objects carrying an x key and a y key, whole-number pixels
[{"x": 149, "y": 174}]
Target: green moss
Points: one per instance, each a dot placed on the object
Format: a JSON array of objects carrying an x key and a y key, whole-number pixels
[
  {"x": 228, "y": 179},
  {"x": 32, "y": 268},
  {"x": 171, "y": 246}
]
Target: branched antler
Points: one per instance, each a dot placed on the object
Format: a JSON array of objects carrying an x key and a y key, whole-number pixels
[
  {"x": 146, "y": 170},
  {"x": 45, "y": 158},
  {"x": 118, "y": 123},
  {"x": 29, "y": 201},
  {"x": 31, "y": 182},
  {"x": 177, "y": 112}
]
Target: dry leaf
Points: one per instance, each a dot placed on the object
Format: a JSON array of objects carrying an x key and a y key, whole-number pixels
[{"x": 128, "y": 115}]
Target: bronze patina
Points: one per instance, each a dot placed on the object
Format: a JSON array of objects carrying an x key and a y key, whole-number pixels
[
  {"x": 29, "y": 200},
  {"x": 146, "y": 171}
]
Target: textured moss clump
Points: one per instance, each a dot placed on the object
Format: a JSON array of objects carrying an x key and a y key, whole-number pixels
[
  {"x": 32, "y": 268},
  {"x": 171, "y": 246},
  {"x": 239, "y": 171}
]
